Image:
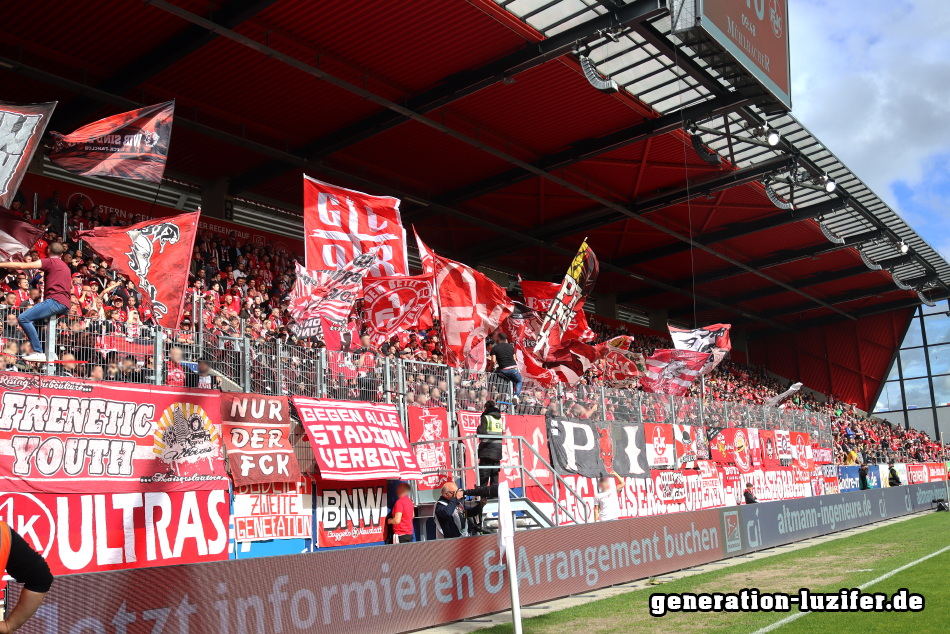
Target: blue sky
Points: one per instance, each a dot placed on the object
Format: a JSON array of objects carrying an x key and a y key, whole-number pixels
[{"x": 871, "y": 79}]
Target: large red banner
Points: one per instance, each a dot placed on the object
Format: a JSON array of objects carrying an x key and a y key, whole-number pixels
[
  {"x": 434, "y": 459},
  {"x": 357, "y": 441},
  {"x": 351, "y": 513},
  {"x": 936, "y": 471},
  {"x": 257, "y": 438},
  {"x": 341, "y": 224},
  {"x": 62, "y": 435},
  {"x": 113, "y": 531},
  {"x": 132, "y": 210},
  {"x": 917, "y": 474},
  {"x": 770, "y": 449}
]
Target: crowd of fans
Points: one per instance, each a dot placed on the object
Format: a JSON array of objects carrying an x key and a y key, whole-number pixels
[{"x": 237, "y": 290}]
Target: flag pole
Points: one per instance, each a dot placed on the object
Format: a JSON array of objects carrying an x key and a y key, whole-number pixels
[
  {"x": 506, "y": 542},
  {"x": 946, "y": 481}
]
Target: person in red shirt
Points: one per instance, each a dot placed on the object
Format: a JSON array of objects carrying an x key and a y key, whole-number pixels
[
  {"x": 174, "y": 371},
  {"x": 56, "y": 283},
  {"x": 403, "y": 513}
]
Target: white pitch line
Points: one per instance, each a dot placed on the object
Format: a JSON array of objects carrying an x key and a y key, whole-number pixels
[{"x": 798, "y": 615}]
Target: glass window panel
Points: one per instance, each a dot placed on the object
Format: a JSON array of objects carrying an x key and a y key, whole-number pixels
[
  {"x": 917, "y": 393},
  {"x": 922, "y": 419},
  {"x": 941, "y": 307},
  {"x": 939, "y": 359},
  {"x": 913, "y": 336},
  {"x": 938, "y": 329},
  {"x": 893, "y": 375},
  {"x": 943, "y": 418},
  {"x": 890, "y": 399},
  {"x": 942, "y": 390},
  {"x": 913, "y": 363}
]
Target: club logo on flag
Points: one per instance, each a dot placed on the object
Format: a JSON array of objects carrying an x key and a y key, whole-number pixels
[
  {"x": 21, "y": 128},
  {"x": 659, "y": 442},
  {"x": 140, "y": 256},
  {"x": 740, "y": 446}
]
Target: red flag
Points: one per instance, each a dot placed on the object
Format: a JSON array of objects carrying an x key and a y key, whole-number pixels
[
  {"x": 572, "y": 358},
  {"x": 155, "y": 254},
  {"x": 397, "y": 303},
  {"x": 340, "y": 224},
  {"x": 339, "y": 335},
  {"x": 21, "y": 128},
  {"x": 132, "y": 145},
  {"x": 17, "y": 236},
  {"x": 471, "y": 306},
  {"x": 672, "y": 371}
]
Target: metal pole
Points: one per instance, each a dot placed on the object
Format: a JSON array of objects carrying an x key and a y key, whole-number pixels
[
  {"x": 603, "y": 404},
  {"x": 388, "y": 380},
  {"x": 321, "y": 372},
  {"x": 245, "y": 361},
  {"x": 201, "y": 326},
  {"x": 51, "y": 344},
  {"x": 278, "y": 363},
  {"x": 450, "y": 400},
  {"x": 157, "y": 354},
  {"x": 946, "y": 481}
]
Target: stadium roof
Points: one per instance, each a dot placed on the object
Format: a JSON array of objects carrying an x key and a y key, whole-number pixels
[{"x": 479, "y": 116}]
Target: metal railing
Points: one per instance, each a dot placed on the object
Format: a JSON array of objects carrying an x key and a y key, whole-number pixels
[
  {"x": 141, "y": 353},
  {"x": 526, "y": 475}
]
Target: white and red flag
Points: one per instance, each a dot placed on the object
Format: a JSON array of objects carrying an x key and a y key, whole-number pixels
[
  {"x": 17, "y": 236},
  {"x": 341, "y": 224},
  {"x": 713, "y": 339},
  {"x": 672, "y": 371},
  {"x": 394, "y": 304},
  {"x": 319, "y": 297},
  {"x": 471, "y": 307},
  {"x": 155, "y": 255}
]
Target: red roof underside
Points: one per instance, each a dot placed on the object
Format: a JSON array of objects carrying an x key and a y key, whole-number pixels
[{"x": 402, "y": 49}]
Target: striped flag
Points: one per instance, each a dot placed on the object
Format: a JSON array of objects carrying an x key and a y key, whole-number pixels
[{"x": 327, "y": 295}]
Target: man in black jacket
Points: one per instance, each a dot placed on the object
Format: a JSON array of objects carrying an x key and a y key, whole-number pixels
[
  {"x": 454, "y": 518},
  {"x": 749, "y": 495},
  {"x": 489, "y": 449},
  {"x": 863, "y": 477}
]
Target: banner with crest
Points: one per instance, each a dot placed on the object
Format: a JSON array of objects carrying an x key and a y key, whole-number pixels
[{"x": 60, "y": 435}]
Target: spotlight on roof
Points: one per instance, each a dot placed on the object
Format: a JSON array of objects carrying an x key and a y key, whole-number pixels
[
  {"x": 925, "y": 299},
  {"x": 903, "y": 247},
  {"x": 596, "y": 80},
  {"x": 899, "y": 283},
  {"x": 703, "y": 152},
  {"x": 777, "y": 200},
  {"x": 767, "y": 134},
  {"x": 868, "y": 262},
  {"x": 827, "y": 183},
  {"x": 831, "y": 236}
]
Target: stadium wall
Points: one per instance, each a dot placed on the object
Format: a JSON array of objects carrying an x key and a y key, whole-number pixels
[
  {"x": 399, "y": 589},
  {"x": 848, "y": 359}
]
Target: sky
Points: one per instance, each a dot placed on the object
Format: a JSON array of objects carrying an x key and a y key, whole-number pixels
[{"x": 871, "y": 79}]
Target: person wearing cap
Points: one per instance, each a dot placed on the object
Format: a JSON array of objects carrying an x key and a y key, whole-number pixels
[
  {"x": 403, "y": 513},
  {"x": 893, "y": 478},
  {"x": 606, "y": 500},
  {"x": 749, "y": 495}
]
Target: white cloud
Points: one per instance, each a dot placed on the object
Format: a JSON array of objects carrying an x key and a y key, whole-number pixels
[{"x": 871, "y": 79}]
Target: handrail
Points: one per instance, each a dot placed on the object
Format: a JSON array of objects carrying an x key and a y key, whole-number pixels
[{"x": 522, "y": 442}]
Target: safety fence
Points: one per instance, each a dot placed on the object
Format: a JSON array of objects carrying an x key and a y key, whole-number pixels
[{"x": 133, "y": 352}]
